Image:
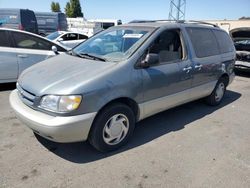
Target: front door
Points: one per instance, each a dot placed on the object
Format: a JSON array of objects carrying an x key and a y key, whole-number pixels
[
  {"x": 167, "y": 83},
  {"x": 30, "y": 50},
  {"x": 8, "y": 59}
]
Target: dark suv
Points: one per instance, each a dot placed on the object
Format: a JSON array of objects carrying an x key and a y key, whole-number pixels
[{"x": 22, "y": 19}]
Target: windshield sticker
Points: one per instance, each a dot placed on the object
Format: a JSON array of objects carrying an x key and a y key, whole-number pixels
[{"x": 132, "y": 36}]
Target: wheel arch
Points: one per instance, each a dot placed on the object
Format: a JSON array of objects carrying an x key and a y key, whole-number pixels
[
  {"x": 225, "y": 76},
  {"x": 127, "y": 101}
]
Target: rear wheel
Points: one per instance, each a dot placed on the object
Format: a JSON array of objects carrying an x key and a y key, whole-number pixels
[
  {"x": 112, "y": 128},
  {"x": 218, "y": 93}
]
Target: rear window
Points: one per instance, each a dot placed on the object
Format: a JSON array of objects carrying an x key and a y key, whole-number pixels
[
  {"x": 4, "y": 42},
  {"x": 204, "y": 42},
  {"x": 47, "y": 20},
  {"x": 224, "y": 41}
]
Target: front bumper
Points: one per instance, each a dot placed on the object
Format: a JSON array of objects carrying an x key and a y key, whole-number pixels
[
  {"x": 55, "y": 128},
  {"x": 243, "y": 65}
]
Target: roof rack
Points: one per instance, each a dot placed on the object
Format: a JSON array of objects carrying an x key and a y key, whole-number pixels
[
  {"x": 176, "y": 21},
  {"x": 198, "y": 22}
]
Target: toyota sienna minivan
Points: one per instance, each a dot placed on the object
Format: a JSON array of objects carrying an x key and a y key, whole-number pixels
[{"x": 101, "y": 88}]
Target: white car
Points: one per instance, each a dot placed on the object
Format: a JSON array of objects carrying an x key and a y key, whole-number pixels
[
  {"x": 68, "y": 39},
  {"x": 20, "y": 50}
]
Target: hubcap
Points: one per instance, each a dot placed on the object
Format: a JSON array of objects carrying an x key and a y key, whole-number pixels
[
  {"x": 115, "y": 129},
  {"x": 219, "y": 92}
]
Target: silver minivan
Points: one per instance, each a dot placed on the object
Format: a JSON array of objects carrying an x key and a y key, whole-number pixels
[{"x": 101, "y": 88}]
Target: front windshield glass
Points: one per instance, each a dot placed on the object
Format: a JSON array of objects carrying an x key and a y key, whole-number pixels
[
  {"x": 53, "y": 36},
  {"x": 114, "y": 44}
]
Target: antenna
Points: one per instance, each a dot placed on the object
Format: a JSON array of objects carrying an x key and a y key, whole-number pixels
[{"x": 177, "y": 10}]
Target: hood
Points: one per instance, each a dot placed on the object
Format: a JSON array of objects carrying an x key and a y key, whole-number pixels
[
  {"x": 240, "y": 33},
  {"x": 241, "y": 38},
  {"x": 61, "y": 75}
]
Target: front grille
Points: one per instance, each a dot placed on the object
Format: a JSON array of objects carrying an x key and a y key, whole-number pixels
[
  {"x": 243, "y": 57},
  {"x": 27, "y": 97}
]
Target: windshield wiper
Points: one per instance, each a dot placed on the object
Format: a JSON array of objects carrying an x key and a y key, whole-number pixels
[{"x": 90, "y": 56}]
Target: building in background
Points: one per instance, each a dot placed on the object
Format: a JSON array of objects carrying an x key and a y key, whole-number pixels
[{"x": 229, "y": 25}]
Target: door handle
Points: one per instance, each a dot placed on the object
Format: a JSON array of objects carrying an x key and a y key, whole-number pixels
[
  {"x": 198, "y": 67},
  {"x": 23, "y": 55},
  {"x": 187, "y": 69}
]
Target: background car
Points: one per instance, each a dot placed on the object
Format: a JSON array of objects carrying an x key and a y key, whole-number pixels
[
  {"x": 20, "y": 50},
  {"x": 69, "y": 39},
  {"x": 241, "y": 38},
  {"x": 49, "y": 22},
  {"x": 22, "y": 19}
]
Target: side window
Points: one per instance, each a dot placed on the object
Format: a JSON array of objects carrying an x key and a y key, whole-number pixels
[
  {"x": 70, "y": 36},
  {"x": 204, "y": 42},
  {"x": 83, "y": 37},
  {"x": 4, "y": 42},
  {"x": 106, "y": 25},
  {"x": 225, "y": 42},
  {"x": 23, "y": 40},
  {"x": 168, "y": 46}
]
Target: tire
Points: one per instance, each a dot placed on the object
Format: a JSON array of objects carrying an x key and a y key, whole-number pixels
[
  {"x": 218, "y": 93},
  {"x": 112, "y": 128}
]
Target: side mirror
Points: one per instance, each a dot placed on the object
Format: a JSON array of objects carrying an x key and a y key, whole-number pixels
[
  {"x": 54, "y": 49},
  {"x": 150, "y": 60},
  {"x": 60, "y": 39}
]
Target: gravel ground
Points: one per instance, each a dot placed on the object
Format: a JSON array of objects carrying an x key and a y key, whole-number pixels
[{"x": 189, "y": 146}]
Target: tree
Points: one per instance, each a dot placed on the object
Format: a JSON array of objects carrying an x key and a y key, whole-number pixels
[
  {"x": 73, "y": 9},
  {"x": 55, "y": 7},
  {"x": 68, "y": 10},
  {"x": 244, "y": 18}
]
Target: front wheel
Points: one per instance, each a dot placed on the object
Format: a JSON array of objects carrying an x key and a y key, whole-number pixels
[
  {"x": 218, "y": 93},
  {"x": 112, "y": 128}
]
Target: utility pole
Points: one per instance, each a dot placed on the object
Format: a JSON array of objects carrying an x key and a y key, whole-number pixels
[{"x": 177, "y": 10}]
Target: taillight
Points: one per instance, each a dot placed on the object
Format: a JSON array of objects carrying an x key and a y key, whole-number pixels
[{"x": 20, "y": 27}]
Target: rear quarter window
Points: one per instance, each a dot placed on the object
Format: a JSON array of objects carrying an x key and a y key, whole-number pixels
[
  {"x": 225, "y": 42},
  {"x": 204, "y": 42}
]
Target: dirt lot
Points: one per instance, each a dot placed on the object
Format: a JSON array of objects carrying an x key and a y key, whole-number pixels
[{"x": 190, "y": 146}]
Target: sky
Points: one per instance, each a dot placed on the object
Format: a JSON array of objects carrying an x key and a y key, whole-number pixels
[{"x": 128, "y": 10}]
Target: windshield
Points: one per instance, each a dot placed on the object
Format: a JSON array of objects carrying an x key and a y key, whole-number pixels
[
  {"x": 115, "y": 44},
  {"x": 53, "y": 36}
]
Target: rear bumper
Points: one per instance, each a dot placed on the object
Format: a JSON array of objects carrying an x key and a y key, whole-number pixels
[{"x": 55, "y": 128}]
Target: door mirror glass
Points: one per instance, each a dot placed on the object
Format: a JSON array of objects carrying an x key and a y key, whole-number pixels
[
  {"x": 150, "y": 60},
  {"x": 60, "y": 39},
  {"x": 54, "y": 49}
]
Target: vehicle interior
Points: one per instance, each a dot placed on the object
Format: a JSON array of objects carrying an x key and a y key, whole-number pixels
[{"x": 168, "y": 46}]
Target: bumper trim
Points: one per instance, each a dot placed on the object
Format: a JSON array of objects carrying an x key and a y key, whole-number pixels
[{"x": 55, "y": 128}]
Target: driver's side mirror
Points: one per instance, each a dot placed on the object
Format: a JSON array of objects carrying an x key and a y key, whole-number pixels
[
  {"x": 150, "y": 60},
  {"x": 54, "y": 49}
]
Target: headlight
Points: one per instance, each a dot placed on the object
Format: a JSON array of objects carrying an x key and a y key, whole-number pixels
[{"x": 60, "y": 103}]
